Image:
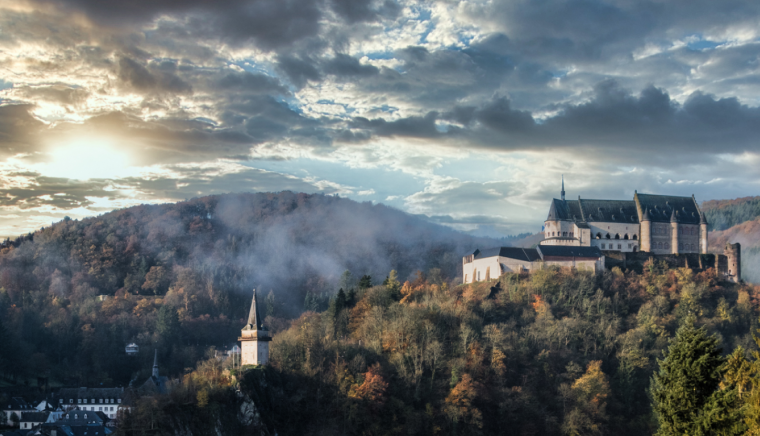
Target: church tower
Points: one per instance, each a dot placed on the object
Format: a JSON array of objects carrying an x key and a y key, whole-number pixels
[{"x": 254, "y": 340}]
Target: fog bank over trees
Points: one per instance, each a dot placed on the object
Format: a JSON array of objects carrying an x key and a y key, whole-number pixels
[{"x": 289, "y": 243}]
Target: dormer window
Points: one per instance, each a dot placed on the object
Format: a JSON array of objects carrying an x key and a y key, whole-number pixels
[{"x": 79, "y": 401}]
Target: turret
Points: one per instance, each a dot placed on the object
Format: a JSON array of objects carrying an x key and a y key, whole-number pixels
[
  {"x": 254, "y": 340},
  {"x": 733, "y": 254},
  {"x": 674, "y": 232},
  {"x": 562, "y": 193},
  {"x": 702, "y": 233},
  {"x": 646, "y": 232}
]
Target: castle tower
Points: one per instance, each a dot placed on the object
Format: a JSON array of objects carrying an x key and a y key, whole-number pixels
[
  {"x": 674, "y": 232},
  {"x": 702, "y": 233},
  {"x": 733, "y": 254},
  {"x": 562, "y": 193},
  {"x": 646, "y": 232},
  {"x": 254, "y": 340}
]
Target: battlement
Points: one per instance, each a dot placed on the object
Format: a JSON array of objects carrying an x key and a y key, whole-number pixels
[{"x": 727, "y": 265}]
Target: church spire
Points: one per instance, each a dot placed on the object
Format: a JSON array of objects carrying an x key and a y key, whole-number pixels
[
  {"x": 563, "y": 188},
  {"x": 155, "y": 363},
  {"x": 254, "y": 319}
]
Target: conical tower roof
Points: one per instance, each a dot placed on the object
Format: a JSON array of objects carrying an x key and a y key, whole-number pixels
[{"x": 254, "y": 319}]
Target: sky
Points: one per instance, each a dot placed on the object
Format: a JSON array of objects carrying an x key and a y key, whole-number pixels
[{"x": 468, "y": 112}]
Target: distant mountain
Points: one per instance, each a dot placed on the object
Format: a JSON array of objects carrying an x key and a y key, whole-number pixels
[{"x": 285, "y": 242}]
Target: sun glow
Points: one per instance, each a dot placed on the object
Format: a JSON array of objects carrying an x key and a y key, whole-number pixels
[{"x": 87, "y": 158}]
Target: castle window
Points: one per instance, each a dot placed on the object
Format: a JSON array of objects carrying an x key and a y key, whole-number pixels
[
  {"x": 598, "y": 236},
  {"x": 635, "y": 237},
  {"x": 608, "y": 236},
  {"x": 630, "y": 245},
  {"x": 620, "y": 246},
  {"x": 667, "y": 246},
  {"x": 625, "y": 236},
  {"x": 617, "y": 235},
  {"x": 603, "y": 246}
]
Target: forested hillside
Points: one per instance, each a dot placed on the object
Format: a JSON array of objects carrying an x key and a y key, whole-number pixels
[
  {"x": 199, "y": 260},
  {"x": 723, "y": 214},
  {"x": 555, "y": 352}
]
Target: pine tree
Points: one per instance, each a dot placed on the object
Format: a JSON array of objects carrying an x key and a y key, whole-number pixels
[
  {"x": 685, "y": 391},
  {"x": 365, "y": 282}
]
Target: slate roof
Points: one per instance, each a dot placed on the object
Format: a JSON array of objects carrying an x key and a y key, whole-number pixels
[
  {"x": 568, "y": 251},
  {"x": 525, "y": 254},
  {"x": 564, "y": 210},
  {"x": 662, "y": 207},
  {"x": 17, "y": 403},
  {"x": 657, "y": 208},
  {"x": 34, "y": 416},
  {"x": 620, "y": 211}
]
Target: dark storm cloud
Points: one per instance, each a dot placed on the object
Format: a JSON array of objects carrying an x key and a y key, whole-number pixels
[
  {"x": 56, "y": 192},
  {"x": 162, "y": 78},
  {"x": 414, "y": 127},
  {"x": 269, "y": 24},
  {"x": 348, "y": 66},
  {"x": 16, "y": 129}
]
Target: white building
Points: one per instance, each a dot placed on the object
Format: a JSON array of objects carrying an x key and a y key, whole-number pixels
[{"x": 493, "y": 262}]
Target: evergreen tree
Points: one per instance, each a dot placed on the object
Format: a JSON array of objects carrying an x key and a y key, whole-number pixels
[
  {"x": 167, "y": 324},
  {"x": 393, "y": 285},
  {"x": 685, "y": 395},
  {"x": 365, "y": 282}
]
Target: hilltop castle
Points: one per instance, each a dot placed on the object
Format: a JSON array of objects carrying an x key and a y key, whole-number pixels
[
  {"x": 658, "y": 224},
  {"x": 603, "y": 233}
]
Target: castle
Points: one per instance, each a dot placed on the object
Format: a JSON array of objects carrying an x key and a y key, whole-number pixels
[
  {"x": 254, "y": 340},
  {"x": 613, "y": 232}
]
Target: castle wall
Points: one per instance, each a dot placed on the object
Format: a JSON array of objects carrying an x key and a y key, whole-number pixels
[{"x": 598, "y": 232}]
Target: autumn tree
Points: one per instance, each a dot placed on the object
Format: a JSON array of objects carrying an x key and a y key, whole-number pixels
[
  {"x": 588, "y": 397},
  {"x": 460, "y": 403}
]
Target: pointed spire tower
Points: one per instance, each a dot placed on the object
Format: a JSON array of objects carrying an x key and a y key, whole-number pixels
[
  {"x": 562, "y": 193},
  {"x": 254, "y": 340}
]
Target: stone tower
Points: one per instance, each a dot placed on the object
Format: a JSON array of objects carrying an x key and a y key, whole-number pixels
[
  {"x": 733, "y": 254},
  {"x": 674, "y": 232},
  {"x": 646, "y": 232},
  {"x": 702, "y": 233},
  {"x": 254, "y": 340}
]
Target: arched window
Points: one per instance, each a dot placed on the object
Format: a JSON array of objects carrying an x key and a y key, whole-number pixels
[
  {"x": 598, "y": 236},
  {"x": 693, "y": 247},
  {"x": 680, "y": 246},
  {"x": 608, "y": 236},
  {"x": 667, "y": 246},
  {"x": 625, "y": 236},
  {"x": 635, "y": 237}
]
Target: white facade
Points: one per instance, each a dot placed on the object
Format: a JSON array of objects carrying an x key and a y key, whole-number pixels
[
  {"x": 254, "y": 351},
  {"x": 492, "y": 267}
]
